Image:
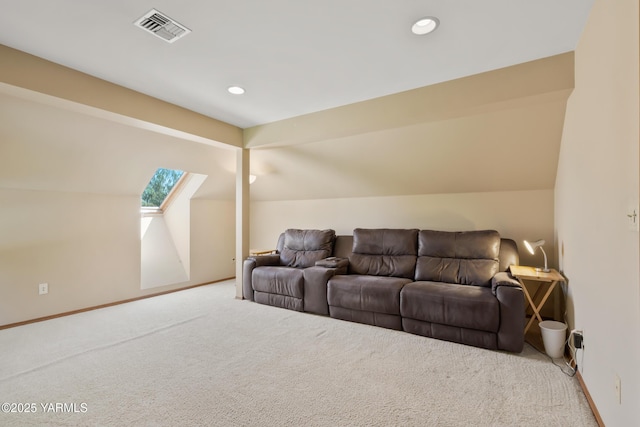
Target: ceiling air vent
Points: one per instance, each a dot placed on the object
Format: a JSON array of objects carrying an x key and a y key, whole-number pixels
[{"x": 162, "y": 26}]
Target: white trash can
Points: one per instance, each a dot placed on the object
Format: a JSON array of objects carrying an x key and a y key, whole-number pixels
[{"x": 553, "y": 336}]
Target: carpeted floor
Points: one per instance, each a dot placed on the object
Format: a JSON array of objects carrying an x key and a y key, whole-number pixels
[{"x": 202, "y": 358}]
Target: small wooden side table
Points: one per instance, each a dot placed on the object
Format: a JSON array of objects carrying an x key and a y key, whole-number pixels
[
  {"x": 523, "y": 273},
  {"x": 257, "y": 252}
]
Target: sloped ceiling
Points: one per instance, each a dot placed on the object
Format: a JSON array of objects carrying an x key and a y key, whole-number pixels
[
  {"x": 46, "y": 148},
  {"x": 496, "y": 131}
]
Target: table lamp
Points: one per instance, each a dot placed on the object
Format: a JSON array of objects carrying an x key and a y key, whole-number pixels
[{"x": 531, "y": 247}]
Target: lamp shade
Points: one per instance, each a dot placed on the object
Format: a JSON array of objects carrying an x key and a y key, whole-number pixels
[{"x": 531, "y": 247}]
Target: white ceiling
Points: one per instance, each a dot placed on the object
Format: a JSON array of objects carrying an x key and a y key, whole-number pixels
[{"x": 292, "y": 56}]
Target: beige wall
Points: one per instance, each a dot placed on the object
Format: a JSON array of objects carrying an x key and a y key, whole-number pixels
[
  {"x": 87, "y": 247},
  {"x": 515, "y": 214},
  {"x": 212, "y": 240},
  {"x": 178, "y": 218},
  {"x": 160, "y": 262},
  {"x": 70, "y": 186},
  {"x": 597, "y": 186}
]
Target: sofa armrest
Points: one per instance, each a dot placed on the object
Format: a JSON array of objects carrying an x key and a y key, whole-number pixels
[
  {"x": 261, "y": 260},
  {"x": 510, "y": 296},
  {"x": 503, "y": 279},
  {"x": 340, "y": 264},
  {"x": 247, "y": 269},
  {"x": 315, "y": 283}
]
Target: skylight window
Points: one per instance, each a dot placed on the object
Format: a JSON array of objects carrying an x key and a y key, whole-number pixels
[{"x": 160, "y": 187}]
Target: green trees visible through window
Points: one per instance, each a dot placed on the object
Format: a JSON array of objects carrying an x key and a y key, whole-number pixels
[{"x": 160, "y": 186}]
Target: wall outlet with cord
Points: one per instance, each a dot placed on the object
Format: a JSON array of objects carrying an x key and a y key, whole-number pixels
[
  {"x": 578, "y": 338},
  {"x": 575, "y": 343}
]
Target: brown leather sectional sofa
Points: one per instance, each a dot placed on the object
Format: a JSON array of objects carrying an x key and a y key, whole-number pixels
[{"x": 453, "y": 286}]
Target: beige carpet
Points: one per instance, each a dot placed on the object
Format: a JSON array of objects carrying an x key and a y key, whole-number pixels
[{"x": 201, "y": 358}]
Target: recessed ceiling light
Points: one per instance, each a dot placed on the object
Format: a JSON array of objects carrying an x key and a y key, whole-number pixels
[
  {"x": 236, "y": 90},
  {"x": 425, "y": 25}
]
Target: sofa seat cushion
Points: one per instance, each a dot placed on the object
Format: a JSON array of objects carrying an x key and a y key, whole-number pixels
[
  {"x": 278, "y": 280},
  {"x": 463, "y": 306},
  {"x": 366, "y": 293}
]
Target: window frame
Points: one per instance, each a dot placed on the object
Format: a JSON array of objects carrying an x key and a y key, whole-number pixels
[{"x": 171, "y": 196}]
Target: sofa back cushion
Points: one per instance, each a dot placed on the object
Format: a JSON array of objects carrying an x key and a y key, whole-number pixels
[
  {"x": 384, "y": 252},
  {"x": 302, "y": 248},
  {"x": 464, "y": 257}
]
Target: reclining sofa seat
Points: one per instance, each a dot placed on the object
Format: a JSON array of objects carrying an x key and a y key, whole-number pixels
[
  {"x": 451, "y": 298},
  {"x": 459, "y": 289},
  {"x": 279, "y": 279},
  {"x": 382, "y": 262}
]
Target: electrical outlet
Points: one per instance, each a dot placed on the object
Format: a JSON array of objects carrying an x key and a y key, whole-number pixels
[
  {"x": 577, "y": 337},
  {"x": 618, "y": 385},
  {"x": 633, "y": 215},
  {"x": 43, "y": 288}
]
